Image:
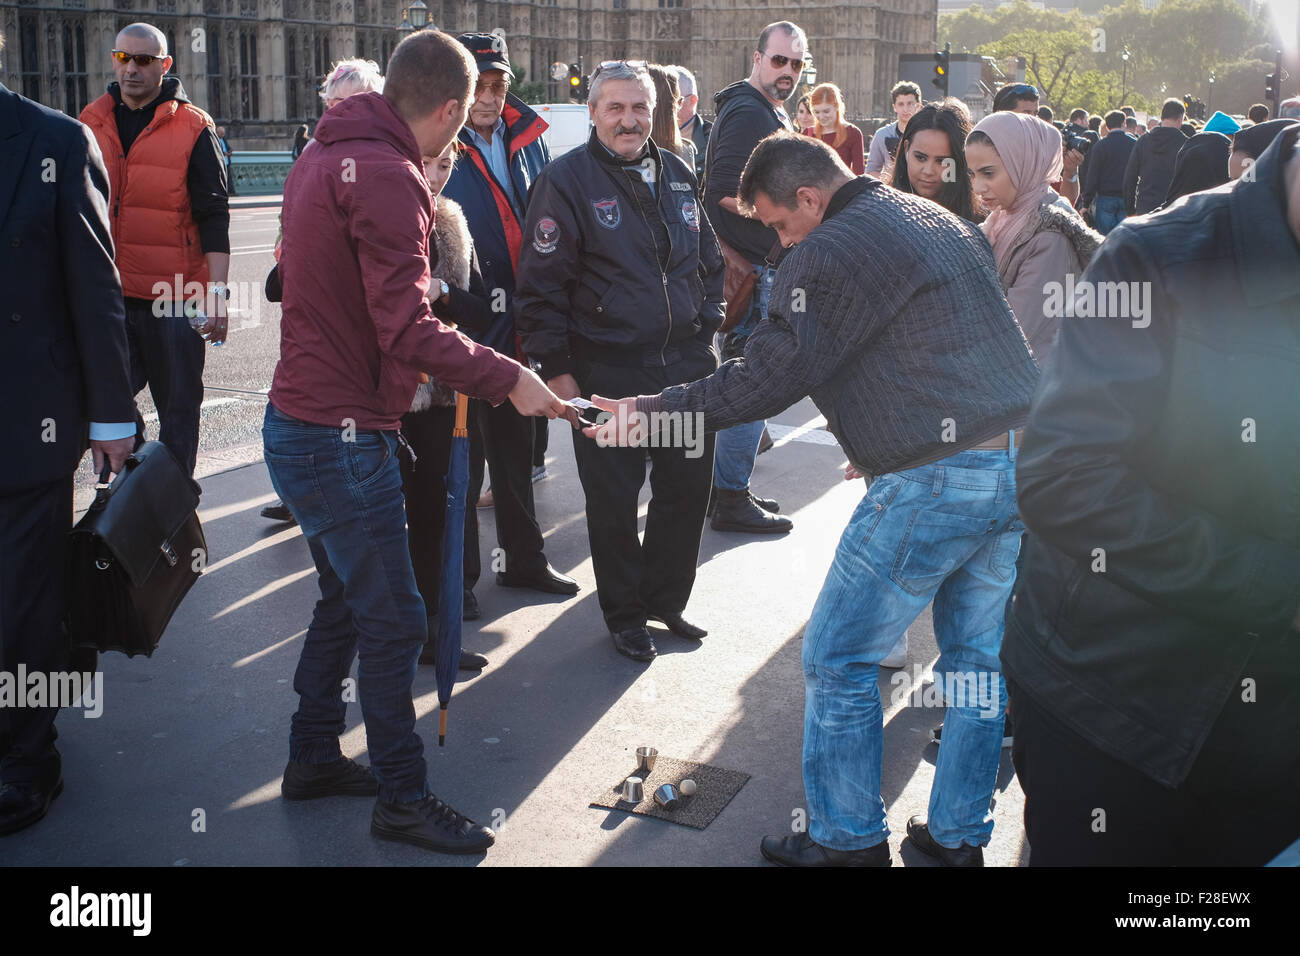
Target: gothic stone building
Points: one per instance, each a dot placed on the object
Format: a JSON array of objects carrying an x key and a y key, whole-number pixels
[{"x": 256, "y": 65}]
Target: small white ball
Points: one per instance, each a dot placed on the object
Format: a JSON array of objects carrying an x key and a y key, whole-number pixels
[{"x": 688, "y": 787}]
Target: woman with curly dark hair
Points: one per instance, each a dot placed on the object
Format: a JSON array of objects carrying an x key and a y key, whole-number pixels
[{"x": 932, "y": 159}]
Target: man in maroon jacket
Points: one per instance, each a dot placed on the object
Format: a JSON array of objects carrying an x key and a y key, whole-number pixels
[{"x": 355, "y": 335}]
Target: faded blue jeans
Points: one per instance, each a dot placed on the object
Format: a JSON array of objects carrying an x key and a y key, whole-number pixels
[
  {"x": 1108, "y": 212},
  {"x": 947, "y": 532},
  {"x": 737, "y": 447},
  {"x": 347, "y": 497}
]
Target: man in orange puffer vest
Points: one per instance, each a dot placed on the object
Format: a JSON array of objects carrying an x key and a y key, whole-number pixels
[{"x": 171, "y": 221}]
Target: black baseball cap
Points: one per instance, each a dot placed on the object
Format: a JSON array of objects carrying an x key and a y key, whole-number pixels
[{"x": 489, "y": 51}]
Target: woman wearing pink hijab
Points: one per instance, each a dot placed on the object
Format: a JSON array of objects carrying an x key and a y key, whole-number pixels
[{"x": 1037, "y": 236}]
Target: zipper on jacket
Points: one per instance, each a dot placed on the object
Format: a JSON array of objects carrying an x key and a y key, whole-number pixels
[
  {"x": 487, "y": 169},
  {"x": 663, "y": 275}
]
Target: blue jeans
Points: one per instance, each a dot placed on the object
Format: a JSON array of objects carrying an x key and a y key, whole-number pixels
[
  {"x": 737, "y": 447},
  {"x": 1108, "y": 212},
  {"x": 347, "y": 497},
  {"x": 947, "y": 532}
]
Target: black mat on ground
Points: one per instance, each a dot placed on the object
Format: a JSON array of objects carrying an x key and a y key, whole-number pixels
[{"x": 716, "y": 788}]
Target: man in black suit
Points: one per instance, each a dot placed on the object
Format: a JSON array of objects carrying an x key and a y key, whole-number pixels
[{"x": 63, "y": 361}]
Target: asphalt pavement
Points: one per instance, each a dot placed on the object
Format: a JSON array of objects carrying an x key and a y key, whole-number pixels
[{"x": 184, "y": 765}]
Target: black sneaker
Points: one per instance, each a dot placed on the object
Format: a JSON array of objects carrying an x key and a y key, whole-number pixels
[
  {"x": 431, "y": 824},
  {"x": 341, "y": 778},
  {"x": 936, "y": 735}
]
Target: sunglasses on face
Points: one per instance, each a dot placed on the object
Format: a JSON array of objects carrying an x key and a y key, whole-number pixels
[
  {"x": 778, "y": 63},
  {"x": 638, "y": 66},
  {"x": 496, "y": 88},
  {"x": 141, "y": 59}
]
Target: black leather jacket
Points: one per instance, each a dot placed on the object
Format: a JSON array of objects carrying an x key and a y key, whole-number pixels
[
  {"x": 1172, "y": 453},
  {"x": 607, "y": 267}
]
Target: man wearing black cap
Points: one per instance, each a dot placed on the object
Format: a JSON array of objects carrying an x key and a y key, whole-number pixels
[{"x": 500, "y": 153}]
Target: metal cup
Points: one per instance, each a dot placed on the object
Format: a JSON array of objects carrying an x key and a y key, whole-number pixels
[
  {"x": 646, "y": 757},
  {"x": 633, "y": 792},
  {"x": 666, "y": 797}
]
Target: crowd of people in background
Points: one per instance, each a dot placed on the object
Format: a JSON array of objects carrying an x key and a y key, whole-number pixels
[{"x": 1006, "y": 447}]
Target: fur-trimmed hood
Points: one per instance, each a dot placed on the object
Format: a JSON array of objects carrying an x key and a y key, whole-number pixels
[
  {"x": 454, "y": 250},
  {"x": 1059, "y": 216},
  {"x": 1053, "y": 244},
  {"x": 453, "y": 244}
]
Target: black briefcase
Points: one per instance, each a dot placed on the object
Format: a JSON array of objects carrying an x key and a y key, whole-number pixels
[{"x": 134, "y": 555}]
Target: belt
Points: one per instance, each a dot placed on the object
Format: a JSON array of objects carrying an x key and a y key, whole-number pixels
[{"x": 997, "y": 443}]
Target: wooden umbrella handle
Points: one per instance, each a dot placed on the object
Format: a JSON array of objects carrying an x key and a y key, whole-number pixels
[{"x": 462, "y": 417}]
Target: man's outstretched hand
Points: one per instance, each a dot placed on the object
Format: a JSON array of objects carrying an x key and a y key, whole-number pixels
[
  {"x": 624, "y": 427},
  {"x": 531, "y": 396}
]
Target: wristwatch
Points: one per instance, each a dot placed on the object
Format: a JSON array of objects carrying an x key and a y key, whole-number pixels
[
  {"x": 446, "y": 289},
  {"x": 221, "y": 289}
]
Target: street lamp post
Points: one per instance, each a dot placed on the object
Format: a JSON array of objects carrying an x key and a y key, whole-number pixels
[
  {"x": 1209, "y": 107},
  {"x": 414, "y": 18},
  {"x": 809, "y": 76},
  {"x": 1123, "y": 85}
]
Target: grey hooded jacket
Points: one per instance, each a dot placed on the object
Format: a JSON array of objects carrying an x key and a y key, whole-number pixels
[{"x": 1056, "y": 243}]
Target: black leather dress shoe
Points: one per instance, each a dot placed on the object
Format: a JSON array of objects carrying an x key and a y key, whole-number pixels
[
  {"x": 278, "y": 512},
  {"x": 548, "y": 581},
  {"x": 635, "y": 643},
  {"x": 965, "y": 855},
  {"x": 469, "y": 661},
  {"x": 341, "y": 778},
  {"x": 431, "y": 824},
  {"x": 680, "y": 626},
  {"x": 798, "y": 849},
  {"x": 22, "y": 804}
]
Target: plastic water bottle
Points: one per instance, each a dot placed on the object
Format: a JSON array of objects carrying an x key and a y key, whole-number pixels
[{"x": 197, "y": 319}]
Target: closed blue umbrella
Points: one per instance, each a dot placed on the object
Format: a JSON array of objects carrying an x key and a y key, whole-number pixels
[{"x": 451, "y": 594}]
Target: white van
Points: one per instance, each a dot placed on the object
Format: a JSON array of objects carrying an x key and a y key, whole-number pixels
[{"x": 569, "y": 126}]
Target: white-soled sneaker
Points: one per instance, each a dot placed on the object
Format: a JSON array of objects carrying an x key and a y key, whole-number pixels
[{"x": 897, "y": 655}]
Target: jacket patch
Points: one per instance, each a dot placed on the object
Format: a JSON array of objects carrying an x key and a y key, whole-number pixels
[
  {"x": 681, "y": 187},
  {"x": 608, "y": 212},
  {"x": 691, "y": 215},
  {"x": 546, "y": 237}
]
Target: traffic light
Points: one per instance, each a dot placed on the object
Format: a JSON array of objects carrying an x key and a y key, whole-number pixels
[
  {"x": 577, "y": 82},
  {"x": 941, "y": 69},
  {"x": 1270, "y": 86}
]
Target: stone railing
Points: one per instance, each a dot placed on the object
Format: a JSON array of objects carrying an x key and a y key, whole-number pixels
[{"x": 260, "y": 172}]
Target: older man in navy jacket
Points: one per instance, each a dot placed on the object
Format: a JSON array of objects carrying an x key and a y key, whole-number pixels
[{"x": 63, "y": 358}]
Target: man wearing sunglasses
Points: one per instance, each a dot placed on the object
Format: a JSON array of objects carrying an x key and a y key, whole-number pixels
[
  {"x": 747, "y": 111},
  {"x": 170, "y": 217}
]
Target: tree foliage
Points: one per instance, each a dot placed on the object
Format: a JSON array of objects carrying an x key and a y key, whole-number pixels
[
  {"x": 528, "y": 92},
  {"x": 1075, "y": 57}
]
